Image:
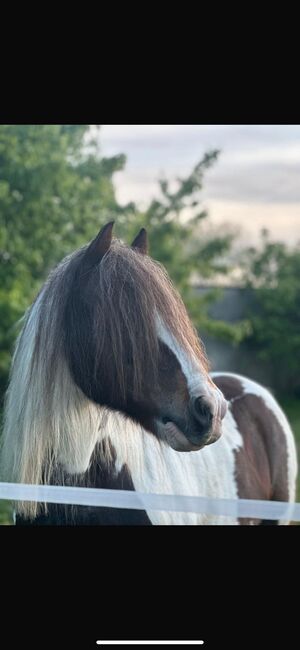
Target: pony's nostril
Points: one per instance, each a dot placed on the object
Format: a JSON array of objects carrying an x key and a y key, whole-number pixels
[
  {"x": 199, "y": 404},
  {"x": 202, "y": 411}
]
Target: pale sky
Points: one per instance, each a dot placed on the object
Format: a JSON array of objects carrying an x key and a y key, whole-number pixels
[{"x": 254, "y": 184}]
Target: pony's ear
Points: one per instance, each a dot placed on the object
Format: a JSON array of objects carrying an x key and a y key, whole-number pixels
[
  {"x": 99, "y": 246},
  {"x": 141, "y": 242}
]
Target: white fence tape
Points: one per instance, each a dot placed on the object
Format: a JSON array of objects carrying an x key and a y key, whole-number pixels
[{"x": 250, "y": 508}]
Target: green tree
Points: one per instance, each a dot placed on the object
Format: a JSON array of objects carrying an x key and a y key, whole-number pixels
[
  {"x": 273, "y": 273},
  {"x": 53, "y": 198}
]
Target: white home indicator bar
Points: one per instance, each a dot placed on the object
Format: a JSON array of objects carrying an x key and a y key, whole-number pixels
[{"x": 150, "y": 642}]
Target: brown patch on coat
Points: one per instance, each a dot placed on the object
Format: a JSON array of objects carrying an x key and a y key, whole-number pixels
[
  {"x": 261, "y": 464},
  {"x": 101, "y": 474},
  {"x": 231, "y": 387}
]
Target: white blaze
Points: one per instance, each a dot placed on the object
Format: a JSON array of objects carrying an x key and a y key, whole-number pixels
[
  {"x": 195, "y": 377},
  {"x": 198, "y": 380}
]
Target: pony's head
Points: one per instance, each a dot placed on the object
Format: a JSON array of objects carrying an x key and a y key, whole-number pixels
[
  {"x": 108, "y": 334},
  {"x": 131, "y": 347}
]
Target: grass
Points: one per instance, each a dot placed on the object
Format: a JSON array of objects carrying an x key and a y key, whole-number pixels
[
  {"x": 5, "y": 513},
  {"x": 291, "y": 408}
]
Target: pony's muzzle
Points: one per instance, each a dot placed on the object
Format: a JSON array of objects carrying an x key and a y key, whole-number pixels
[{"x": 202, "y": 426}]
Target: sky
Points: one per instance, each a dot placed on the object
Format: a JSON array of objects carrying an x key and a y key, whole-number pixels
[{"x": 254, "y": 184}]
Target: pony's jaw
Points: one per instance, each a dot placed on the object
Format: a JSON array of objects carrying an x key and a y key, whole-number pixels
[
  {"x": 176, "y": 439},
  {"x": 172, "y": 435}
]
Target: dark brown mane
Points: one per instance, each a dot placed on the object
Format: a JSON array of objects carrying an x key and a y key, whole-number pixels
[{"x": 115, "y": 306}]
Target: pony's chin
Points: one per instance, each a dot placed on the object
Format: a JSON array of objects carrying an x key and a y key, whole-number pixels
[{"x": 177, "y": 440}]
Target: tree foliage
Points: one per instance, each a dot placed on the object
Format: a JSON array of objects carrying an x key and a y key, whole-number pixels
[{"x": 273, "y": 272}]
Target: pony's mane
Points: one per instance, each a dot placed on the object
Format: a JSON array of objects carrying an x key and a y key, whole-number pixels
[{"x": 48, "y": 421}]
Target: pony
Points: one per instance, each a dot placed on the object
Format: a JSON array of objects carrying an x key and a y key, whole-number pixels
[{"x": 110, "y": 387}]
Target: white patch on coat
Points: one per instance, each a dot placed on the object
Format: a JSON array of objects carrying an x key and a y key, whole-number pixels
[{"x": 156, "y": 468}]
